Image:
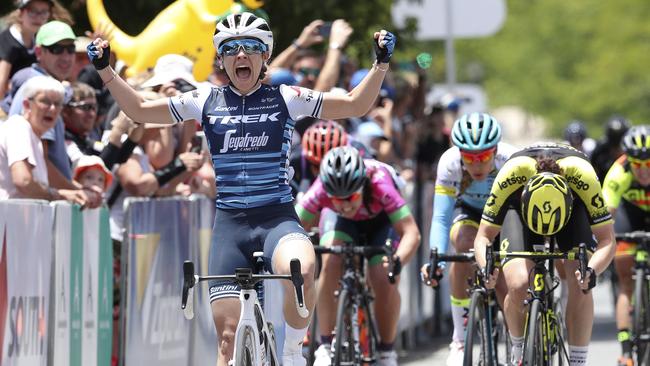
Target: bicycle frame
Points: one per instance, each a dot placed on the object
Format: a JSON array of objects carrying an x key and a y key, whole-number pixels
[
  {"x": 251, "y": 320},
  {"x": 353, "y": 287},
  {"x": 543, "y": 284}
]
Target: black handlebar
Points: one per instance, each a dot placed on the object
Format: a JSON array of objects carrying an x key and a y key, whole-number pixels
[
  {"x": 435, "y": 259},
  {"x": 639, "y": 237},
  {"x": 394, "y": 263}
]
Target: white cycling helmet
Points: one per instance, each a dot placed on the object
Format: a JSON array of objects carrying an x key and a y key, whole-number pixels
[{"x": 244, "y": 25}]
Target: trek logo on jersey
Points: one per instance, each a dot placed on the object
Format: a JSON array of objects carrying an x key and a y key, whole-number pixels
[
  {"x": 247, "y": 118},
  {"x": 513, "y": 179},
  {"x": 243, "y": 143}
]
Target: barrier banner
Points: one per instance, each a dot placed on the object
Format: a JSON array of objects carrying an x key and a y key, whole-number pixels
[
  {"x": 25, "y": 266},
  {"x": 97, "y": 289},
  {"x": 82, "y": 279},
  {"x": 156, "y": 331},
  {"x": 204, "y": 335}
]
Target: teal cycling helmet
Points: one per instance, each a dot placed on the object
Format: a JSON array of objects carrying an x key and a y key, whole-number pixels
[{"x": 476, "y": 131}]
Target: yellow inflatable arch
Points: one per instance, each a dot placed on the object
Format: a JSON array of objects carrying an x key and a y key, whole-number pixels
[{"x": 185, "y": 27}]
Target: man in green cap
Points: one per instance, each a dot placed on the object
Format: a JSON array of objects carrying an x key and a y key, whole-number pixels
[{"x": 55, "y": 54}]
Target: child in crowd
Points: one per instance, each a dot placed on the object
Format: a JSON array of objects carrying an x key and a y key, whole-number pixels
[{"x": 92, "y": 174}]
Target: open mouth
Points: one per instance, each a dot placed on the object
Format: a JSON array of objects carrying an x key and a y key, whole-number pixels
[
  {"x": 48, "y": 119},
  {"x": 243, "y": 72}
]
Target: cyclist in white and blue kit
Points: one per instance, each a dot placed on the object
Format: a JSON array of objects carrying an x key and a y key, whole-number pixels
[
  {"x": 465, "y": 175},
  {"x": 248, "y": 126}
]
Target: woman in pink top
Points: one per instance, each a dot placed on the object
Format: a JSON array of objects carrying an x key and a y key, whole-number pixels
[{"x": 354, "y": 198}]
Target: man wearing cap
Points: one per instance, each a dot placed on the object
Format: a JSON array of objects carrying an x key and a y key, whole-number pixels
[
  {"x": 55, "y": 52},
  {"x": 17, "y": 40}
]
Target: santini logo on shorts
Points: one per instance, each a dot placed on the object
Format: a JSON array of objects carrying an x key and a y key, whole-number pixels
[
  {"x": 243, "y": 143},
  {"x": 247, "y": 118}
]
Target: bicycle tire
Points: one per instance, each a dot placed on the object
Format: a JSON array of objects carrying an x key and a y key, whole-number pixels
[
  {"x": 534, "y": 339},
  {"x": 313, "y": 335},
  {"x": 272, "y": 344},
  {"x": 478, "y": 340},
  {"x": 246, "y": 346},
  {"x": 343, "y": 338},
  {"x": 640, "y": 317}
]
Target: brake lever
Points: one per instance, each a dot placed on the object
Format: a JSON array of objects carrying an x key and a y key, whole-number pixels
[
  {"x": 489, "y": 260},
  {"x": 298, "y": 284},
  {"x": 392, "y": 266},
  {"x": 188, "y": 290},
  {"x": 582, "y": 263}
]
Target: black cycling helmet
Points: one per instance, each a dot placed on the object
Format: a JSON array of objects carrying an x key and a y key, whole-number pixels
[
  {"x": 342, "y": 171},
  {"x": 616, "y": 128},
  {"x": 575, "y": 131},
  {"x": 636, "y": 142}
]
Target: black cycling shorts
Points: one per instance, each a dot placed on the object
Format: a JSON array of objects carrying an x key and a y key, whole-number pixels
[
  {"x": 515, "y": 235},
  {"x": 238, "y": 233},
  {"x": 375, "y": 231}
]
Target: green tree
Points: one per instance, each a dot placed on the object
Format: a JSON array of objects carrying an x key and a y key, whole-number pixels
[{"x": 567, "y": 59}]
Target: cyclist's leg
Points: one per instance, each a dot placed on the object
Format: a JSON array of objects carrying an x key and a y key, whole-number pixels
[
  {"x": 580, "y": 306},
  {"x": 334, "y": 230},
  {"x": 284, "y": 240},
  {"x": 626, "y": 220},
  {"x": 515, "y": 237},
  {"x": 228, "y": 251},
  {"x": 462, "y": 234}
]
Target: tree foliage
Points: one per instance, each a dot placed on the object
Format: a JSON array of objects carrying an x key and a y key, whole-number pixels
[{"x": 568, "y": 59}]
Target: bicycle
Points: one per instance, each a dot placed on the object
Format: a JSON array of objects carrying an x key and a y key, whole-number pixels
[
  {"x": 354, "y": 312},
  {"x": 641, "y": 297},
  {"x": 483, "y": 327},
  {"x": 545, "y": 330},
  {"x": 254, "y": 337}
]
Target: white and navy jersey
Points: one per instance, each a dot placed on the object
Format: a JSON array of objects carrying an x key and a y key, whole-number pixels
[{"x": 249, "y": 137}]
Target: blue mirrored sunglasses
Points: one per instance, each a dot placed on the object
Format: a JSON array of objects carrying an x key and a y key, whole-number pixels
[{"x": 249, "y": 46}]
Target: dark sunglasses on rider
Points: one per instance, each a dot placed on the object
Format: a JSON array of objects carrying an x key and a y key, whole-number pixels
[
  {"x": 250, "y": 46},
  {"x": 86, "y": 107},
  {"x": 638, "y": 163},
  {"x": 57, "y": 49}
]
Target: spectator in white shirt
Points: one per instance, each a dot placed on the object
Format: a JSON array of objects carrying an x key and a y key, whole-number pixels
[{"x": 23, "y": 172}]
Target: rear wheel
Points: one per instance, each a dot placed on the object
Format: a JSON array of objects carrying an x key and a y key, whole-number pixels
[
  {"x": 478, "y": 339},
  {"x": 534, "y": 343},
  {"x": 641, "y": 318},
  {"x": 343, "y": 338}
]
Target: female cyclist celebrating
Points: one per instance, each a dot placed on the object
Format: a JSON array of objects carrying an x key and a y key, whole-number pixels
[
  {"x": 465, "y": 175},
  {"x": 248, "y": 127},
  {"x": 358, "y": 197}
]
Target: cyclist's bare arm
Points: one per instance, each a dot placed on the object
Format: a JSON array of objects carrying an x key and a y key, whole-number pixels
[
  {"x": 606, "y": 247},
  {"x": 156, "y": 111},
  {"x": 484, "y": 237},
  {"x": 409, "y": 238}
]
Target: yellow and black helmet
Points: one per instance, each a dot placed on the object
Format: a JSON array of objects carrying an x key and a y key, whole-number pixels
[{"x": 546, "y": 203}]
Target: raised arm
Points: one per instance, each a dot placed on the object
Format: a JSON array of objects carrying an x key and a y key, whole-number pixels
[
  {"x": 358, "y": 101},
  {"x": 329, "y": 75},
  {"x": 155, "y": 111}
]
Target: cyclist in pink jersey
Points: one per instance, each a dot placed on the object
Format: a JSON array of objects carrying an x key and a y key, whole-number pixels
[{"x": 356, "y": 198}]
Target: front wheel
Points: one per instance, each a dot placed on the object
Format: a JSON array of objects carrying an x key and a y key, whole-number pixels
[
  {"x": 479, "y": 349},
  {"x": 245, "y": 348},
  {"x": 535, "y": 343},
  {"x": 641, "y": 318},
  {"x": 344, "y": 353}
]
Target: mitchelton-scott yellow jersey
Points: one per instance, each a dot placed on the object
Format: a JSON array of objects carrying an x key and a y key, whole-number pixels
[
  {"x": 509, "y": 183},
  {"x": 620, "y": 183}
]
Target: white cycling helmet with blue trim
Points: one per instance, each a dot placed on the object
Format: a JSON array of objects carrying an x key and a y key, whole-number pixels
[
  {"x": 475, "y": 132},
  {"x": 244, "y": 25}
]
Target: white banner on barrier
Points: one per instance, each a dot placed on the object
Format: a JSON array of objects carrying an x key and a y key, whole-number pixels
[
  {"x": 28, "y": 249},
  {"x": 61, "y": 342},
  {"x": 90, "y": 285}
]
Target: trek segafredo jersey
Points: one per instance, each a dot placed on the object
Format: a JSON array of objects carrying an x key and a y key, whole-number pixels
[{"x": 249, "y": 137}]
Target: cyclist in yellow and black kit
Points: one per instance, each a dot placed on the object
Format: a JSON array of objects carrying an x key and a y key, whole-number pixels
[
  {"x": 548, "y": 190},
  {"x": 626, "y": 189}
]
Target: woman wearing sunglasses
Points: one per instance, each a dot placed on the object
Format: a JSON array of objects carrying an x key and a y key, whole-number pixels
[
  {"x": 464, "y": 178},
  {"x": 357, "y": 197},
  {"x": 248, "y": 127},
  {"x": 626, "y": 190}
]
